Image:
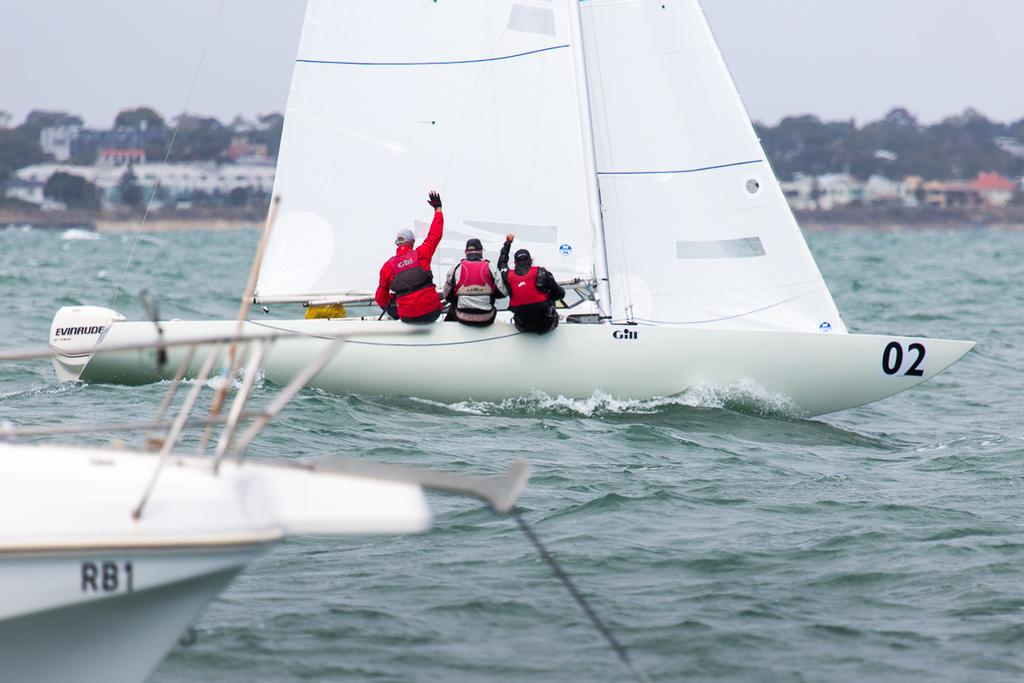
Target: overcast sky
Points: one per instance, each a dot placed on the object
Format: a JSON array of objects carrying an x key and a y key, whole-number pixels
[{"x": 838, "y": 59}]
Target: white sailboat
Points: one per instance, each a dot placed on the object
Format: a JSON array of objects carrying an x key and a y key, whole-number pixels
[
  {"x": 107, "y": 554},
  {"x": 609, "y": 136}
]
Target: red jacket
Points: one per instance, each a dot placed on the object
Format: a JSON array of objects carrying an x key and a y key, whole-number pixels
[{"x": 425, "y": 300}]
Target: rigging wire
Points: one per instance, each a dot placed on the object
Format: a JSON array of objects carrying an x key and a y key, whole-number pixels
[
  {"x": 602, "y": 628},
  {"x": 170, "y": 145},
  {"x": 627, "y": 287}
]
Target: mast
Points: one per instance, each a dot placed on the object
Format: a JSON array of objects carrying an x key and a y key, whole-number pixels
[{"x": 604, "y": 297}]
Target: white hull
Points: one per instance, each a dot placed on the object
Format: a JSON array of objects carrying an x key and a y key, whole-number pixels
[
  {"x": 117, "y": 636},
  {"x": 811, "y": 373},
  {"x": 93, "y": 594}
]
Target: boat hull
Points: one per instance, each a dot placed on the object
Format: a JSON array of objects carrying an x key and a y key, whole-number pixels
[
  {"x": 94, "y": 592},
  {"x": 803, "y": 374},
  {"x": 112, "y": 632}
]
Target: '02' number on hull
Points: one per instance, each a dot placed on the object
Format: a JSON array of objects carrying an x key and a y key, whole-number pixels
[{"x": 893, "y": 357}]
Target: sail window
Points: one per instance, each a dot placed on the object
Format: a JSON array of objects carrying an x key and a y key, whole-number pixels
[
  {"x": 543, "y": 234},
  {"x": 532, "y": 20},
  {"x": 743, "y": 247},
  {"x": 753, "y": 185}
]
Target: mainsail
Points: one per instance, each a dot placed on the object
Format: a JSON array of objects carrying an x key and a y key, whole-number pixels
[
  {"x": 391, "y": 99},
  {"x": 487, "y": 101},
  {"x": 698, "y": 230}
]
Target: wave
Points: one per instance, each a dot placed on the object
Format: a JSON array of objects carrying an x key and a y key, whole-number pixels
[
  {"x": 743, "y": 397},
  {"x": 141, "y": 237},
  {"x": 60, "y": 388},
  {"x": 79, "y": 234}
]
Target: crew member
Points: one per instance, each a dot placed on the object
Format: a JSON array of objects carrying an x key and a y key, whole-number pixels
[
  {"x": 406, "y": 290},
  {"x": 532, "y": 291},
  {"x": 472, "y": 286}
]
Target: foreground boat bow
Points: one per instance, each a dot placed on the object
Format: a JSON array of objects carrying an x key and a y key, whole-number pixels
[{"x": 86, "y": 577}]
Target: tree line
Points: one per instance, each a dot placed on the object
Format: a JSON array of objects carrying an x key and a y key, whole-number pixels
[
  {"x": 895, "y": 146},
  {"x": 197, "y": 138}
]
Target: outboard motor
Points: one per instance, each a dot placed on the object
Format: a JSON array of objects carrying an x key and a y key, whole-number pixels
[{"x": 74, "y": 334}]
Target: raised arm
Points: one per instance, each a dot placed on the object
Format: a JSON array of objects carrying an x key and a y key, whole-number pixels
[
  {"x": 503, "y": 259},
  {"x": 505, "y": 249},
  {"x": 429, "y": 246}
]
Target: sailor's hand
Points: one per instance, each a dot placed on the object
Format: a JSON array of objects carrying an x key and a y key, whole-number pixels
[
  {"x": 509, "y": 237},
  {"x": 434, "y": 199}
]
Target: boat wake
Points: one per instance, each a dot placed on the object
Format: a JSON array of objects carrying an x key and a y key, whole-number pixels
[
  {"x": 745, "y": 397},
  {"x": 215, "y": 383}
]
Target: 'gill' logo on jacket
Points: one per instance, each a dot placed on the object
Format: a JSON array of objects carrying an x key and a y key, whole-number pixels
[{"x": 406, "y": 262}]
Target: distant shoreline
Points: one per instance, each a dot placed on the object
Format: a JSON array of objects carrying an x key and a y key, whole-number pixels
[
  {"x": 110, "y": 222},
  {"x": 868, "y": 218},
  {"x": 177, "y": 225},
  {"x": 895, "y": 219}
]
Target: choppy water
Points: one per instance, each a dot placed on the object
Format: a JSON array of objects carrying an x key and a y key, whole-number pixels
[{"x": 882, "y": 543}]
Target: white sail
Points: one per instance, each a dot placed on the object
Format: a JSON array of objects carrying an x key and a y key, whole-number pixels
[
  {"x": 698, "y": 230},
  {"x": 477, "y": 99}
]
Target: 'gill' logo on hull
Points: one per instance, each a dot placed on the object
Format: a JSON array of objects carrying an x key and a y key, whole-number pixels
[{"x": 625, "y": 334}]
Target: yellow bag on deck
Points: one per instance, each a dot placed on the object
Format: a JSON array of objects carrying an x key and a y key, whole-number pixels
[{"x": 326, "y": 311}]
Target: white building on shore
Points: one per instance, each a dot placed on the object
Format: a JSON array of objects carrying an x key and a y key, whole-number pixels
[
  {"x": 56, "y": 141},
  {"x": 800, "y": 192},
  {"x": 177, "y": 181},
  {"x": 880, "y": 190},
  {"x": 838, "y": 189}
]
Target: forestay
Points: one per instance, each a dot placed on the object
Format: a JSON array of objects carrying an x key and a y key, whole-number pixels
[
  {"x": 391, "y": 99},
  {"x": 698, "y": 230}
]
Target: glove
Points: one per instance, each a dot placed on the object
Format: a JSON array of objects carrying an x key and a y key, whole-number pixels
[{"x": 434, "y": 199}]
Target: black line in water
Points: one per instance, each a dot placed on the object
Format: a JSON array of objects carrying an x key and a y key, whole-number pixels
[{"x": 577, "y": 596}]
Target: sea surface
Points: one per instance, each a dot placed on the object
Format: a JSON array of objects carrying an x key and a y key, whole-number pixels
[{"x": 719, "y": 539}]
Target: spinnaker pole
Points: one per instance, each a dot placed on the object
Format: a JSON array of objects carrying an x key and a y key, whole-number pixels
[{"x": 604, "y": 296}]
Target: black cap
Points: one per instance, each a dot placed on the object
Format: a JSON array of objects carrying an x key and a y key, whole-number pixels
[
  {"x": 522, "y": 255},
  {"x": 474, "y": 245}
]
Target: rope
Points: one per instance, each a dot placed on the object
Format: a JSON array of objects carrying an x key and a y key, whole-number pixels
[
  {"x": 548, "y": 558},
  {"x": 170, "y": 146}
]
